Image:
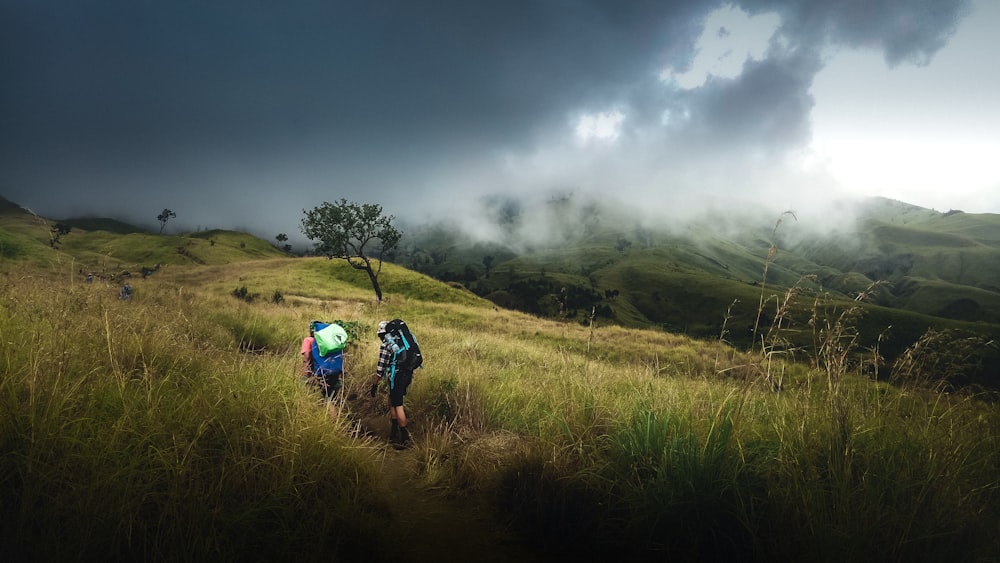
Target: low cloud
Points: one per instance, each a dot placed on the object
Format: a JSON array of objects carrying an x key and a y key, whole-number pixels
[{"x": 233, "y": 113}]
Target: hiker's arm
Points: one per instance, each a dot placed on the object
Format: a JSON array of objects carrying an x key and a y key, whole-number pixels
[
  {"x": 307, "y": 366},
  {"x": 384, "y": 359}
]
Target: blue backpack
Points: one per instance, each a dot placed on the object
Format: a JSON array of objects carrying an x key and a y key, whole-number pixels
[{"x": 328, "y": 349}]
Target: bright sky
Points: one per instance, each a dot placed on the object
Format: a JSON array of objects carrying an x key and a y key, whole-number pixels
[
  {"x": 239, "y": 115},
  {"x": 926, "y": 135}
]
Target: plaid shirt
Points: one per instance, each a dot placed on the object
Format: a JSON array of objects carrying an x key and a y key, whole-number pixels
[{"x": 385, "y": 358}]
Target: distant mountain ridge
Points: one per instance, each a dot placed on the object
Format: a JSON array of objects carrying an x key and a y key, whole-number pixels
[
  {"x": 941, "y": 264},
  {"x": 908, "y": 249},
  {"x": 921, "y": 269},
  {"x": 112, "y": 245}
]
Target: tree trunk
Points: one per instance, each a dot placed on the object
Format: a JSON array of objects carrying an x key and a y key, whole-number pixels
[{"x": 374, "y": 279}]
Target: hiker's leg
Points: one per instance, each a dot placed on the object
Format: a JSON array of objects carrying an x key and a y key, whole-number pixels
[
  {"x": 402, "y": 438},
  {"x": 398, "y": 415},
  {"x": 396, "y": 395},
  {"x": 393, "y": 421}
]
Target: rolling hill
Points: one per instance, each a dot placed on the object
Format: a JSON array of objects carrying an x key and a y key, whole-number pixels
[
  {"x": 108, "y": 247},
  {"x": 919, "y": 269},
  {"x": 178, "y": 425},
  {"x": 720, "y": 278}
]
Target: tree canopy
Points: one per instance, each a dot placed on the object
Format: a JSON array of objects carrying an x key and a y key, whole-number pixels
[
  {"x": 358, "y": 233},
  {"x": 163, "y": 217}
]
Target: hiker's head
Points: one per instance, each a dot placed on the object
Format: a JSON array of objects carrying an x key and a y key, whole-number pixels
[{"x": 382, "y": 330}]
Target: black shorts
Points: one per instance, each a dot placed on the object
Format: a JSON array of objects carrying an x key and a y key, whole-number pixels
[{"x": 397, "y": 388}]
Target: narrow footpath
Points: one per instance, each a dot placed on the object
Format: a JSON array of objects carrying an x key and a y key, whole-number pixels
[{"x": 436, "y": 526}]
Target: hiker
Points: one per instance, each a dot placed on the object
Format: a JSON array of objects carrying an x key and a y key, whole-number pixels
[
  {"x": 307, "y": 358},
  {"x": 323, "y": 357},
  {"x": 126, "y": 292},
  {"x": 399, "y": 379}
]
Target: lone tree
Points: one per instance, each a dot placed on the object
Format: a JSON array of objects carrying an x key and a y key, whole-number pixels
[
  {"x": 164, "y": 217},
  {"x": 353, "y": 232},
  {"x": 57, "y": 231},
  {"x": 282, "y": 238}
]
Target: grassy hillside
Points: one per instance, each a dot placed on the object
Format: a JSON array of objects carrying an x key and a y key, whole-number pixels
[
  {"x": 108, "y": 248},
  {"x": 176, "y": 426},
  {"x": 919, "y": 269},
  {"x": 909, "y": 246},
  {"x": 23, "y": 235}
]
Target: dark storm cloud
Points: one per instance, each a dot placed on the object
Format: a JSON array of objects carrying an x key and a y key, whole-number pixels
[
  {"x": 904, "y": 30},
  {"x": 253, "y": 73},
  {"x": 770, "y": 101},
  {"x": 279, "y": 106},
  {"x": 766, "y": 107}
]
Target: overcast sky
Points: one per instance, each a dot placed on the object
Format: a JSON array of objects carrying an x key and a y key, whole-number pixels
[{"x": 239, "y": 114}]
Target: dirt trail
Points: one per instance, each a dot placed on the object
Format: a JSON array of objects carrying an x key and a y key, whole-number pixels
[{"x": 435, "y": 526}]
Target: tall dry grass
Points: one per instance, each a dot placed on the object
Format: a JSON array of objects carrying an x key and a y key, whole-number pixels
[
  {"x": 134, "y": 424},
  {"x": 140, "y": 430},
  {"x": 634, "y": 442}
]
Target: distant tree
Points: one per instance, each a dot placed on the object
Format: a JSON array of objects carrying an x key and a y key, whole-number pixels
[
  {"x": 488, "y": 263},
  {"x": 164, "y": 217},
  {"x": 282, "y": 237},
  {"x": 357, "y": 233},
  {"x": 57, "y": 231},
  {"x": 622, "y": 244}
]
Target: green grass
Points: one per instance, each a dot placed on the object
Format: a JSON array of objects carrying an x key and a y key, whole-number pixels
[
  {"x": 938, "y": 271},
  {"x": 111, "y": 248},
  {"x": 24, "y": 237},
  {"x": 176, "y": 427},
  {"x": 141, "y": 431}
]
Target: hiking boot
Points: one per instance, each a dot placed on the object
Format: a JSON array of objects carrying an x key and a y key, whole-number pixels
[{"x": 403, "y": 441}]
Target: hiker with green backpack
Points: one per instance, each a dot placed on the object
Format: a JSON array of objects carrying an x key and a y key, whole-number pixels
[
  {"x": 399, "y": 355},
  {"x": 323, "y": 357}
]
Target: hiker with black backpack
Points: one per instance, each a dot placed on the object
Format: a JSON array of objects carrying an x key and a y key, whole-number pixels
[{"x": 399, "y": 355}]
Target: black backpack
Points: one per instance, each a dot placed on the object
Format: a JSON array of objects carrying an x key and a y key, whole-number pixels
[{"x": 404, "y": 345}]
